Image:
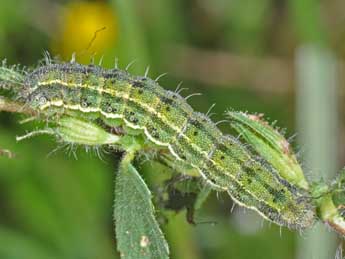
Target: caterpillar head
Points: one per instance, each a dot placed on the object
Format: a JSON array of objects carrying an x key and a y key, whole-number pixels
[{"x": 37, "y": 90}]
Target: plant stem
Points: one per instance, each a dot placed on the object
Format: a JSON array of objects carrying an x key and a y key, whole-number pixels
[{"x": 7, "y": 105}]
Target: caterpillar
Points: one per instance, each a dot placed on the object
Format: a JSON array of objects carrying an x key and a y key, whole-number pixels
[{"x": 141, "y": 107}]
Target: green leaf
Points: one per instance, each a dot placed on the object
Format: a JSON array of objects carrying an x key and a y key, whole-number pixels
[
  {"x": 15, "y": 245},
  {"x": 202, "y": 196},
  {"x": 137, "y": 231}
]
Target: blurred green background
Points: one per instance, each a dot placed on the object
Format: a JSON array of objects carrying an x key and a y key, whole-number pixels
[{"x": 282, "y": 58}]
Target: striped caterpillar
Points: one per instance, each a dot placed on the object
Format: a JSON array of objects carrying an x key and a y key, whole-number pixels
[{"x": 143, "y": 109}]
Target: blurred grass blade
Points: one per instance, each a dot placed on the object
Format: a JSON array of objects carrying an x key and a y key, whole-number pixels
[
  {"x": 132, "y": 39},
  {"x": 137, "y": 231},
  {"x": 17, "y": 246},
  {"x": 317, "y": 120}
]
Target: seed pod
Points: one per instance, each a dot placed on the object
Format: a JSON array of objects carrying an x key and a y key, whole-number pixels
[
  {"x": 270, "y": 145},
  {"x": 72, "y": 130}
]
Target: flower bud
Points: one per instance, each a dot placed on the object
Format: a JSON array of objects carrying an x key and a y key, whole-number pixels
[
  {"x": 77, "y": 131},
  {"x": 269, "y": 144}
]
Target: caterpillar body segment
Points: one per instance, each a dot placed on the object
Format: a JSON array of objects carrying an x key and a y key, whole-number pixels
[{"x": 168, "y": 122}]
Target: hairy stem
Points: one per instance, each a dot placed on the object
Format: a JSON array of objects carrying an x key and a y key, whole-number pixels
[{"x": 7, "y": 105}]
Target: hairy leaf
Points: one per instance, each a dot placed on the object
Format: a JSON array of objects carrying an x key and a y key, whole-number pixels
[{"x": 137, "y": 231}]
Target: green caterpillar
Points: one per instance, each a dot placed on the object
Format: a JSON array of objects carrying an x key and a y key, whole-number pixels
[{"x": 98, "y": 98}]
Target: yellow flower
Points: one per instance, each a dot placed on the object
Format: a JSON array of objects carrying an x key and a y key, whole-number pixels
[{"x": 86, "y": 28}]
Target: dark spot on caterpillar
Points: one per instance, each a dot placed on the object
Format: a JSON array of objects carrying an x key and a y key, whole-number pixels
[
  {"x": 193, "y": 122},
  {"x": 132, "y": 113},
  {"x": 166, "y": 100},
  {"x": 41, "y": 100},
  {"x": 279, "y": 196},
  {"x": 167, "y": 108},
  {"x": 85, "y": 103},
  {"x": 140, "y": 91},
  {"x": 138, "y": 84},
  {"x": 195, "y": 133},
  {"x": 113, "y": 74},
  {"x": 222, "y": 157},
  {"x": 270, "y": 212},
  {"x": 133, "y": 119},
  {"x": 109, "y": 108},
  {"x": 112, "y": 80},
  {"x": 155, "y": 133}
]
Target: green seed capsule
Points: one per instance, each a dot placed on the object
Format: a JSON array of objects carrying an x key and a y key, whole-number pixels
[
  {"x": 269, "y": 144},
  {"x": 72, "y": 130}
]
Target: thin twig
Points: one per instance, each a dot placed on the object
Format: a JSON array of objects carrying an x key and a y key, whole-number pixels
[
  {"x": 7, "y": 153},
  {"x": 7, "y": 105}
]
